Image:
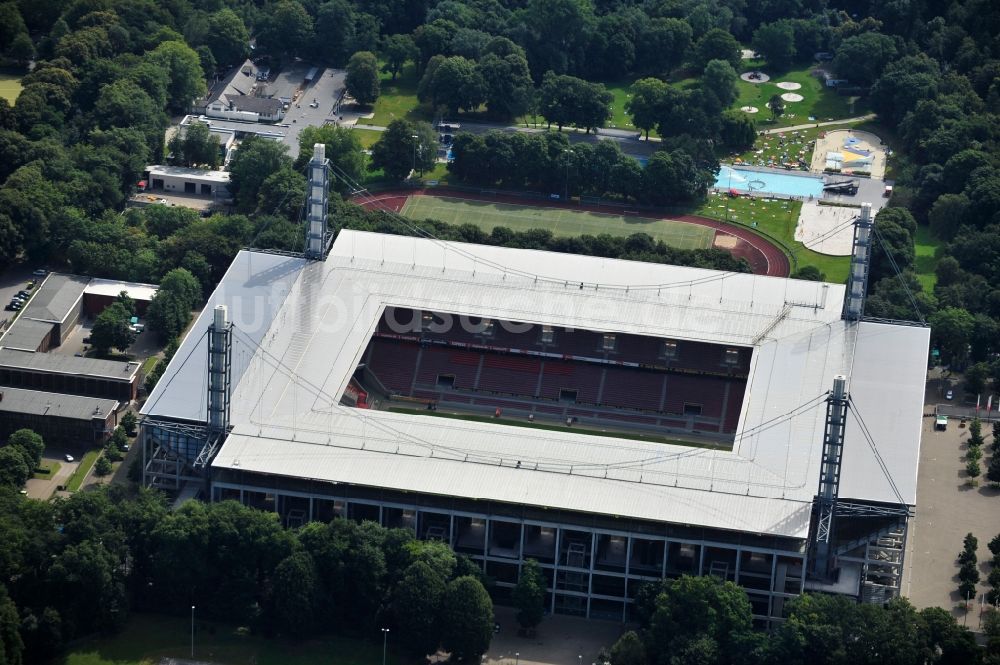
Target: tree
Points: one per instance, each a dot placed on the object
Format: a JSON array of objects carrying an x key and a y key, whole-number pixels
[
  {"x": 397, "y": 151},
  {"x": 565, "y": 100},
  {"x": 288, "y": 30},
  {"x": 183, "y": 284},
  {"x": 466, "y": 619},
  {"x": 22, "y": 50},
  {"x": 719, "y": 85},
  {"x": 507, "y": 86},
  {"x": 697, "y": 614},
  {"x": 343, "y": 149},
  {"x": 283, "y": 193},
  {"x": 776, "y": 105},
  {"x": 256, "y": 159},
  {"x": 196, "y": 146},
  {"x": 185, "y": 80},
  {"x": 776, "y": 42},
  {"x": 14, "y": 471},
  {"x": 397, "y": 50},
  {"x": 417, "y": 605},
  {"x": 663, "y": 46},
  {"x": 103, "y": 466},
  {"x": 952, "y": 327},
  {"x": 739, "y": 131},
  {"x": 129, "y": 422},
  {"x": 29, "y": 444},
  {"x": 644, "y": 103},
  {"x": 717, "y": 44},
  {"x": 362, "y": 80},
  {"x": 673, "y": 177},
  {"x": 862, "y": 58},
  {"x": 227, "y": 36},
  {"x": 968, "y": 573},
  {"x": 628, "y": 650},
  {"x": 167, "y": 315},
  {"x": 457, "y": 85},
  {"x": 295, "y": 592},
  {"x": 947, "y": 215},
  {"x": 335, "y": 31},
  {"x": 529, "y": 595},
  {"x": 112, "y": 328},
  {"x": 11, "y": 645}
]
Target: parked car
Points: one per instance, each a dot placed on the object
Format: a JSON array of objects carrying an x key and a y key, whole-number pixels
[
  {"x": 23, "y": 294},
  {"x": 68, "y": 458},
  {"x": 13, "y": 306},
  {"x": 40, "y": 273},
  {"x": 949, "y": 395}
]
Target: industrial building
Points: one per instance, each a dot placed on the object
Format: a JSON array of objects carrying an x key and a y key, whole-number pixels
[
  {"x": 64, "y": 420},
  {"x": 55, "y": 308},
  {"x": 712, "y": 423}
]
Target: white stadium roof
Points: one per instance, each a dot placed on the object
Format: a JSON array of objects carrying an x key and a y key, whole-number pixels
[{"x": 311, "y": 322}]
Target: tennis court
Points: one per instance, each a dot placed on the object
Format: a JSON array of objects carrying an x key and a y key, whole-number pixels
[{"x": 560, "y": 221}]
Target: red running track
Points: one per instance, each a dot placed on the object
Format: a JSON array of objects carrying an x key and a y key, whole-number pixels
[{"x": 764, "y": 257}]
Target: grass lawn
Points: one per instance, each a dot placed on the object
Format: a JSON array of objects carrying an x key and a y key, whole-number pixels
[
  {"x": 557, "y": 428},
  {"x": 149, "y": 363},
  {"x": 819, "y": 102},
  {"x": 86, "y": 464},
  {"x": 46, "y": 469},
  {"x": 398, "y": 99},
  {"x": 779, "y": 148},
  {"x": 620, "y": 119},
  {"x": 562, "y": 222},
  {"x": 777, "y": 219},
  {"x": 147, "y": 638},
  {"x": 368, "y": 137},
  {"x": 926, "y": 247},
  {"x": 10, "y": 86}
]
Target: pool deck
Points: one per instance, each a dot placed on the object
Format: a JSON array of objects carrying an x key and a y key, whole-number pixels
[{"x": 823, "y": 228}]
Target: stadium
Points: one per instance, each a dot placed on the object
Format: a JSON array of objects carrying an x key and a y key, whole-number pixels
[{"x": 616, "y": 421}]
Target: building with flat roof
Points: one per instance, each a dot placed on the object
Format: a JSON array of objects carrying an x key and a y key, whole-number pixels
[
  {"x": 65, "y": 420},
  {"x": 687, "y": 415},
  {"x": 185, "y": 180},
  {"x": 55, "y": 307}
]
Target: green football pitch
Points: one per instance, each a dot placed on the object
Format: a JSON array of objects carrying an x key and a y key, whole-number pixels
[{"x": 560, "y": 221}]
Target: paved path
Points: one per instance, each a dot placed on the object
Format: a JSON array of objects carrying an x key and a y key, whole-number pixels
[{"x": 828, "y": 123}]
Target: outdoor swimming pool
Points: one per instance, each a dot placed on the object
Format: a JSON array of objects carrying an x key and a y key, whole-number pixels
[{"x": 766, "y": 182}]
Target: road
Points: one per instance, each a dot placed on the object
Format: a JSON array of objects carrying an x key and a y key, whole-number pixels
[
  {"x": 630, "y": 144},
  {"x": 828, "y": 123}
]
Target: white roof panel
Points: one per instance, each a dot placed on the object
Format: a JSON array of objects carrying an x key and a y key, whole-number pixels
[
  {"x": 302, "y": 351},
  {"x": 252, "y": 289}
]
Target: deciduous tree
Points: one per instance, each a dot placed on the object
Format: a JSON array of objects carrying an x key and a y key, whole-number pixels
[
  {"x": 362, "y": 80},
  {"x": 466, "y": 619}
]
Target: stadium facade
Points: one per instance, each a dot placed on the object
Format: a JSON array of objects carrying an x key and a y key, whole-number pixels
[{"x": 781, "y": 451}]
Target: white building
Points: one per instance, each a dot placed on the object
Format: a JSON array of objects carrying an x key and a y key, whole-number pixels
[
  {"x": 602, "y": 514},
  {"x": 191, "y": 181}
]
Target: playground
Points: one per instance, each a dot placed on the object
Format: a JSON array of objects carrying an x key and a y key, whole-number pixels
[{"x": 850, "y": 152}]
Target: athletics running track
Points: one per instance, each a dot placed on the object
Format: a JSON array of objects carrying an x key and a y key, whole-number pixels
[{"x": 764, "y": 257}]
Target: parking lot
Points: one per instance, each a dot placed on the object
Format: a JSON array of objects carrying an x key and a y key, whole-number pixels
[
  {"x": 326, "y": 90},
  {"x": 948, "y": 507}
]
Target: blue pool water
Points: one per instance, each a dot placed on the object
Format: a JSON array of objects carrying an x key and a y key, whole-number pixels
[{"x": 765, "y": 182}]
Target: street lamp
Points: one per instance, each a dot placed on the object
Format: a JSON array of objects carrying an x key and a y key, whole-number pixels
[
  {"x": 385, "y": 640},
  {"x": 192, "y": 632},
  {"x": 415, "y": 138},
  {"x": 517, "y": 657},
  {"x": 567, "y": 151}
]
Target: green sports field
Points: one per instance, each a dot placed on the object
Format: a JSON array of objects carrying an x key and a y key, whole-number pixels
[{"x": 561, "y": 222}]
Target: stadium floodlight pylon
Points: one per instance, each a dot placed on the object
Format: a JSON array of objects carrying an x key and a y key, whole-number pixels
[
  {"x": 829, "y": 477},
  {"x": 317, "y": 204},
  {"x": 861, "y": 252}
]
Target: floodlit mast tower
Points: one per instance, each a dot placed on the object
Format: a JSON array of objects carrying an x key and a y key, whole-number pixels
[
  {"x": 829, "y": 476},
  {"x": 857, "y": 281},
  {"x": 317, "y": 203}
]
